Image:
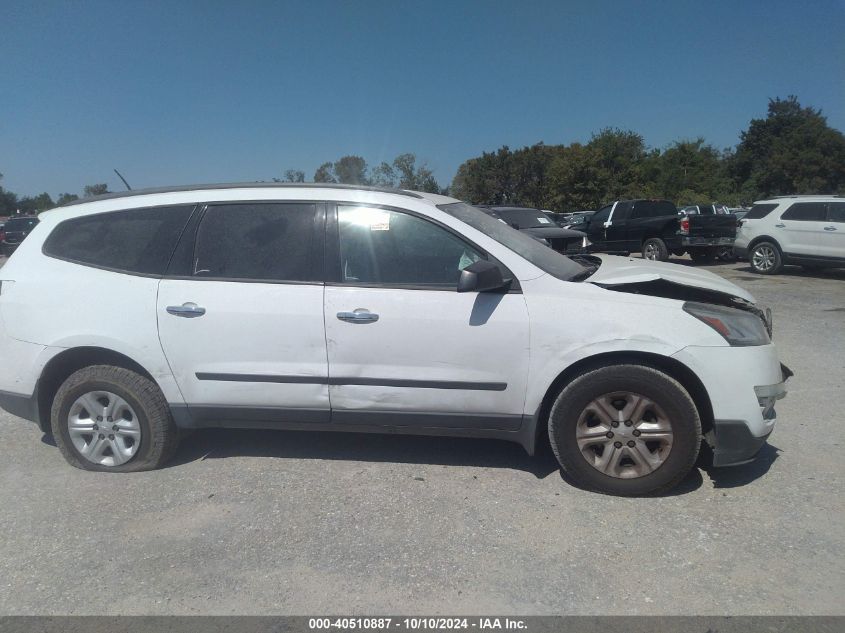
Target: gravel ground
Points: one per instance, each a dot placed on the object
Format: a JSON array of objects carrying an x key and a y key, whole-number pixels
[{"x": 249, "y": 522}]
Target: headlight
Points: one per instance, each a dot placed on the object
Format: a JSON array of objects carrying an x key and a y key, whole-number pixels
[{"x": 741, "y": 329}]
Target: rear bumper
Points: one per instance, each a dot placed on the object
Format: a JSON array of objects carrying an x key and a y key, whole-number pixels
[
  {"x": 688, "y": 240},
  {"x": 740, "y": 251}
]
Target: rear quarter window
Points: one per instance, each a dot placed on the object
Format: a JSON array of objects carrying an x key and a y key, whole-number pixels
[
  {"x": 760, "y": 211},
  {"x": 135, "y": 241}
]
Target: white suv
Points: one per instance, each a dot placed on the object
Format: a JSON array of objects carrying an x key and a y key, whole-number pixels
[
  {"x": 804, "y": 230},
  {"x": 126, "y": 318}
]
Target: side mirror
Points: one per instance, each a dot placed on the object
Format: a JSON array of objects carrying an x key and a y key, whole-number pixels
[{"x": 481, "y": 276}]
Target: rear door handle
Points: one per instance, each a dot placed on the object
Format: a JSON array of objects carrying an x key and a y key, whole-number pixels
[
  {"x": 780, "y": 226},
  {"x": 187, "y": 310},
  {"x": 830, "y": 228},
  {"x": 359, "y": 315}
]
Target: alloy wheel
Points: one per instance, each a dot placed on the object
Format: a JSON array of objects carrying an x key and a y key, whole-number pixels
[
  {"x": 624, "y": 435},
  {"x": 763, "y": 257},
  {"x": 104, "y": 428}
]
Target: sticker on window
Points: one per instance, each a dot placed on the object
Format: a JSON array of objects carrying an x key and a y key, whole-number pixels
[
  {"x": 544, "y": 220},
  {"x": 374, "y": 219}
]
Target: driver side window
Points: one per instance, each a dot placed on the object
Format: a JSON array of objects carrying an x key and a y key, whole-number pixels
[
  {"x": 601, "y": 215},
  {"x": 382, "y": 246}
]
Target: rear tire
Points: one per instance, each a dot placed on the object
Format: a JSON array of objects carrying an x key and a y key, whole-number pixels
[
  {"x": 726, "y": 254},
  {"x": 112, "y": 419},
  {"x": 765, "y": 258},
  {"x": 659, "y": 409},
  {"x": 704, "y": 255},
  {"x": 655, "y": 250}
]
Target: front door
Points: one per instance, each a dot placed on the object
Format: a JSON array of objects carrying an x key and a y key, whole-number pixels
[
  {"x": 243, "y": 329},
  {"x": 597, "y": 227},
  {"x": 405, "y": 348}
]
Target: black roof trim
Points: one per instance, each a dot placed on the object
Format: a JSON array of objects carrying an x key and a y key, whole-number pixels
[{"x": 241, "y": 185}]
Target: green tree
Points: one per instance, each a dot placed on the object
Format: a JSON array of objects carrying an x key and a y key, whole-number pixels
[
  {"x": 689, "y": 172},
  {"x": 95, "y": 190},
  {"x": 351, "y": 170},
  {"x": 292, "y": 175},
  {"x": 486, "y": 179},
  {"x": 8, "y": 201},
  {"x": 64, "y": 198},
  {"x": 383, "y": 176},
  {"x": 412, "y": 177},
  {"x": 792, "y": 151},
  {"x": 325, "y": 173}
]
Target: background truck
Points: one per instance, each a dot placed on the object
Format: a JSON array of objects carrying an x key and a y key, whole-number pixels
[{"x": 655, "y": 229}]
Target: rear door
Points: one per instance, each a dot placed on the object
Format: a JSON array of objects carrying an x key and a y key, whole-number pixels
[
  {"x": 832, "y": 238},
  {"x": 405, "y": 348},
  {"x": 241, "y": 314},
  {"x": 639, "y": 224},
  {"x": 800, "y": 228}
]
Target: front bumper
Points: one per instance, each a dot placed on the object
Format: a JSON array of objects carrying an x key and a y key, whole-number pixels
[
  {"x": 743, "y": 384},
  {"x": 731, "y": 440}
]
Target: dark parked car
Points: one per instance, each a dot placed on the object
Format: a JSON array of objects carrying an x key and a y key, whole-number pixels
[
  {"x": 579, "y": 220},
  {"x": 541, "y": 227},
  {"x": 14, "y": 231},
  {"x": 655, "y": 228}
]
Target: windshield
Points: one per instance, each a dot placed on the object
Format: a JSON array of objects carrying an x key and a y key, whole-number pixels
[
  {"x": 524, "y": 218},
  {"x": 527, "y": 247}
]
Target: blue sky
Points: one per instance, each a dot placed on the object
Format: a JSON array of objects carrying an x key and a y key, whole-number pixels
[{"x": 187, "y": 92}]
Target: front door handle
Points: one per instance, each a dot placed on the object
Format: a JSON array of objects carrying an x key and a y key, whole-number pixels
[
  {"x": 187, "y": 310},
  {"x": 780, "y": 226},
  {"x": 830, "y": 228},
  {"x": 359, "y": 315}
]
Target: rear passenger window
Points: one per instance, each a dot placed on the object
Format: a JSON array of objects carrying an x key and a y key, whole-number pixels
[
  {"x": 836, "y": 212},
  {"x": 806, "y": 211},
  {"x": 136, "y": 241},
  {"x": 262, "y": 241},
  {"x": 759, "y": 211}
]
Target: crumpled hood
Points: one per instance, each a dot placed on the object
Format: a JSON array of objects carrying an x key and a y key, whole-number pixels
[{"x": 616, "y": 270}]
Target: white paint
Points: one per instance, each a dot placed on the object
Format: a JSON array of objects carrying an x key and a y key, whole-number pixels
[{"x": 525, "y": 340}]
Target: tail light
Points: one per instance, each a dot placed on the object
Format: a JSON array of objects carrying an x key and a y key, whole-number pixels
[
  {"x": 685, "y": 225},
  {"x": 2, "y": 235}
]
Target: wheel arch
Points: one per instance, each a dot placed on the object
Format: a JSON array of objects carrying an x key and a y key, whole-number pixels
[
  {"x": 669, "y": 366},
  {"x": 62, "y": 365},
  {"x": 764, "y": 238}
]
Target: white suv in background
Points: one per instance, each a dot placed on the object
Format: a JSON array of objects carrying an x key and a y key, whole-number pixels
[
  {"x": 804, "y": 230},
  {"x": 130, "y": 316}
]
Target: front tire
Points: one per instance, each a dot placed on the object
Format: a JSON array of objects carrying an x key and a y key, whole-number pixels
[
  {"x": 765, "y": 258},
  {"x": 625, "y": 430},
  {"x": 655, "y": 249},
  {"x": 112, "y": 419}
]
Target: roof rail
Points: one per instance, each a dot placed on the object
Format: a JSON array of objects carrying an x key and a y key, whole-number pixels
[
  {"x": 242, "y": 185},
  {"x": 808, "y": 195}
]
